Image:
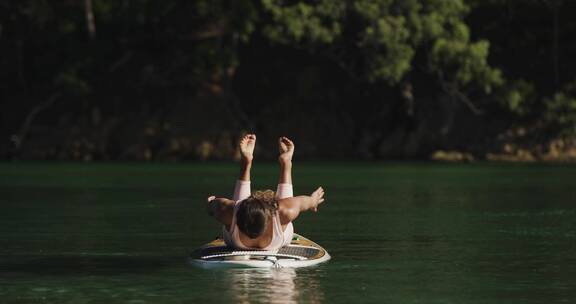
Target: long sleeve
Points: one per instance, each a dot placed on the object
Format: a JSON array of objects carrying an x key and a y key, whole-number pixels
[
  {"x": 284, "y": 191},
  {"x": 241, "y": 190}
]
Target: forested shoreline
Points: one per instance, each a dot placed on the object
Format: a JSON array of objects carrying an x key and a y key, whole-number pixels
[{"x": 99, "y": 80}]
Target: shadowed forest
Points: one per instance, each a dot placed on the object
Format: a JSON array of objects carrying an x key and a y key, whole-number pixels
[{"x": 459, "y": 80}]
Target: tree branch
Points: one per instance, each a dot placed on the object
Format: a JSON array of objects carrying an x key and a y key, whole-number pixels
[
  {"x": 452, "y": 90},
  {"x": 18, "y": 139}
]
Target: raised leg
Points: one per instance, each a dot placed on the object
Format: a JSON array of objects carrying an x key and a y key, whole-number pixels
[
  {"x": 242, "y": 188},
  {"x": 286, "y": 147}
]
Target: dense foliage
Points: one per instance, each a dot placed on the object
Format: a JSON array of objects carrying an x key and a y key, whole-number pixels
[{"x": 174, "y": 79}]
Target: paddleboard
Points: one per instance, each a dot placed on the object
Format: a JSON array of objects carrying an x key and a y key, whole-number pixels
[{"x": 301, "y": 252}]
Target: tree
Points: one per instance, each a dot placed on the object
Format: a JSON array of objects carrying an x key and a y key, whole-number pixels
[{"x": 392, "y": 42}]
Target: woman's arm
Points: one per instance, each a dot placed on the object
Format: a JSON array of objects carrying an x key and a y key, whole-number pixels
[
  {"x": 290, "y": 208},
  {"x": 222, "y": 209}
]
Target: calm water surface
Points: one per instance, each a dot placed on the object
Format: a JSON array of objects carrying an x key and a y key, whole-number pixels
[{"x": 397, "y": 233}]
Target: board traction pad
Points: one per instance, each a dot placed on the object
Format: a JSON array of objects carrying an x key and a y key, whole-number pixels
[{"x": 299, "y": 247}]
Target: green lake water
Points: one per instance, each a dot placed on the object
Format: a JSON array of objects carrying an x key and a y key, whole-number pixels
[{"x": 397, "y": 233}]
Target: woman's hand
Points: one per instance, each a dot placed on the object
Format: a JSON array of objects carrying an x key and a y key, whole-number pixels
[
  {"x": 317, "y": 197},
  {"x": 221, "y": 208}
]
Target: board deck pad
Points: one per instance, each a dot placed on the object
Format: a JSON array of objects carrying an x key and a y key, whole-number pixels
[{"x": 301, "y": 252}]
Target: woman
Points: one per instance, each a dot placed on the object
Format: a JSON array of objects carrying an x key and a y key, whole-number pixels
[{"x": 263, "y": 220}]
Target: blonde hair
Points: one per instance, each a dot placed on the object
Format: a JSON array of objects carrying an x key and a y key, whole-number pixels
[{"x": 267, "y": 196}]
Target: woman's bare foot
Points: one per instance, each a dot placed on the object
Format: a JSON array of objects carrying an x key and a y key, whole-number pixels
[
  {"x": 247, "y": 144},
  {"x": 286, "y": 147}
]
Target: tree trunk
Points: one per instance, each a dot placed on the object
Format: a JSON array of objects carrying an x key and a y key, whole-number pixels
[
  {"x": 554, "y": 6},
  {"x": 556, "y": 44},
  {"x": 89, "y": 13},
  {"x": 234, "y": 103}
]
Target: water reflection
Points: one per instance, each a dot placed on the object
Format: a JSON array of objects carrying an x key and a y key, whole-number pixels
[{"x": 282, "y": 285}]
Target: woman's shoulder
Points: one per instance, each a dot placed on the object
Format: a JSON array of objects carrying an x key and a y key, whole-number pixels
[{"x": 287, "y": 210}]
